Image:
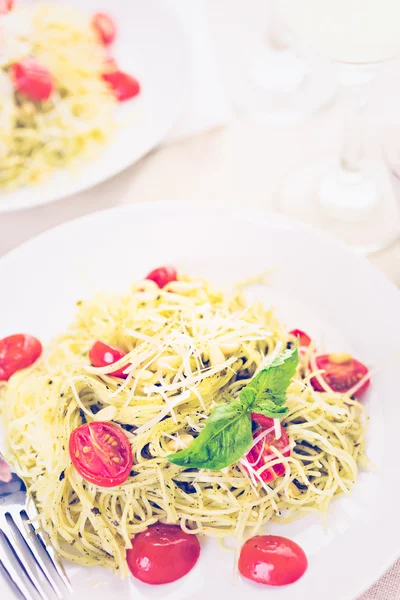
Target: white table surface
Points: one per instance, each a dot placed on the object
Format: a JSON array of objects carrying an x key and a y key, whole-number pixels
[{"x": 235, "y": 164}]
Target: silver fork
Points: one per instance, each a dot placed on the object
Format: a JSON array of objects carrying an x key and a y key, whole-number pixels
[{"x": 27, "y": 563}]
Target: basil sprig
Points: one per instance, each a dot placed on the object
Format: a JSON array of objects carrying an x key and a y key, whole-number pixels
[{"x": 227, "y": 434}]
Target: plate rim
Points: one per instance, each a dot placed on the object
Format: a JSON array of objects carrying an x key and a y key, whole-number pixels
[{"x": 257, "y": 216}]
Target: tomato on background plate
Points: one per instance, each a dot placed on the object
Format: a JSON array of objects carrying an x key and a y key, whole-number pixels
[
  {"x": 17, "y": 352},
  {"x": 105, "y": 27},
  {"x": 123, "y": 85},
  {"x": 162, "y": 554},
  {"x": 304, "y": 339},
  {"x": 32, "y": 79},
  {"x": 261, "y": 453},
  {"x": 272, "y": 560},
  {"x": 101, "y": 453},
  {"x": 102, "y": 354},
  {"x": 163, "y": 275},
  {"x": 342, "y": 373},
  {"x": 6, "y": 6}
]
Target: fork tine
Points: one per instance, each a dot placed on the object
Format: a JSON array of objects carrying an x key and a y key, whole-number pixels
[
  {"x": 44, "y": 554},
  {"x": 13, "y": 570},
  {"x": 48, "y": 550},
  {"x": 16, "y": 542},
  {"x": 7, "y": 577},
  {"x": 28, "y": 533}
]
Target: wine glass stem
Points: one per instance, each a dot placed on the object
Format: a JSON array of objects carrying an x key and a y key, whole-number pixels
[
  {"x": 277, "y": 32},
  {"x": 353, "y": 150}
]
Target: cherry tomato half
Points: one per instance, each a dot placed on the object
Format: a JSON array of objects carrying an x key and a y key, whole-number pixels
[
  {"x": 105, "y": 27},
  {"x": 124, "y": 86},
  {"x": 32, "y": 79},
  {"x": 101, "y": 453},
  {"x": 342, "y": 373},
  {"x": 261, "y": 453},
  {"x": 162, "y": 554},
  {"x": 17, "y": 352},
  {"x": 163, "y": 275},
  {"x": 272, "y": 560},
  {"x": 304, "y": 339},
  {"x": 102, "y": 354},
  {"x": 6, "y": 6}
]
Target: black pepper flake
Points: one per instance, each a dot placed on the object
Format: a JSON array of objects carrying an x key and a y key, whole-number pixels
[
  {"x": 79, "y": 534},
  {"x": 95, "y": 510},
  {"x": 62, "y": 475},
  {"x": 115, "y": 523},
  {"x": 50, "y": 381}
]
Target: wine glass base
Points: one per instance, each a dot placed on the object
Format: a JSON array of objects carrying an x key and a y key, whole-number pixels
[
  {"x": 283, "y": 88},
  {"x": 359, "y": 208}
]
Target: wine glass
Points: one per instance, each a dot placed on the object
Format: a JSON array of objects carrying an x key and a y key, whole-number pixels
[
  {"x": 284, "y": 86},
  {"x": 350, "y": 195}
]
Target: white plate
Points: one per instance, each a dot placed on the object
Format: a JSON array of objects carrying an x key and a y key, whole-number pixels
[
  {"x": 151, "y": 46},
  {"x": 319, "y": 286}
]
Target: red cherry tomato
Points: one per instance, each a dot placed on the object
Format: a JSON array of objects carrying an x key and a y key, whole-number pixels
[
  {"x": 102, "y": 354},
  {"x": 6, "y": 6},
  {"x": 123, "y": 85},
  {"x": 17, "y": 352},
  {"x": 272, "y": 560},
  {"x": 32, "y": 79},
  {"x": 162, "y": 554},
  {"x": 261, "y": 453},
  {"x": 101, "y": 453},
  {"x": 163, "y": 275},
  {"x": 342, "y": 373},
  {"x": 105, "y": 27},
  {"x": 304, "y": 339}
]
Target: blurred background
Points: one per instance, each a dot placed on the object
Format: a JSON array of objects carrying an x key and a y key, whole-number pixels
[{"x": 288, "y": 106}]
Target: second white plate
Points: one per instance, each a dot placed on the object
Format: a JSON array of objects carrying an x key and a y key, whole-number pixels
[{"x": 152, "y": 47}]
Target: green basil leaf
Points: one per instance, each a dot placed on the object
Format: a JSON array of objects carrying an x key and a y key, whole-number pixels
[
  {"x": 225, "y": 438},
  {"x": 247, "y": 397},
  {"x": 270, "y": 385},
  {"x": 269, "y": 409}
]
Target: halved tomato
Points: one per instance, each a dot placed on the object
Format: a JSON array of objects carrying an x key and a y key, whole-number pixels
[
  {"x": 101, "y": 453},
  {"x": 304, "y": 339},
  {"x": 342, "y": 373},
  {"x": 18, "y": 352},
  {"x": 272, "y": 560},
  {"x": 261, "y": 453},
  {"x": 105, "y": 27},
  {"x": 163, "y": 275},
  {"x": 123, "y": 85},
  {"x": 162, "y": 554},
  {"x": 102, "y": 354},
  {"x": 32, "y": 79}
]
